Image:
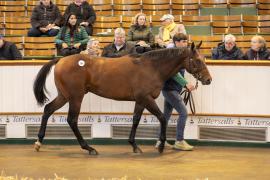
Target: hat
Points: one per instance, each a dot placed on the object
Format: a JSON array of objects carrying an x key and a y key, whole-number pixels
[{"x": 166, "y": 16}]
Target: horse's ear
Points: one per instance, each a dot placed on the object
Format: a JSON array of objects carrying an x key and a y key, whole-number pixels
[
  {"x": 199, "y": 45},
  {"x": 192, "y": 46}
]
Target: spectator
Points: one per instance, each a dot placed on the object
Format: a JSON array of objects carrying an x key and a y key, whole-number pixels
[
  {"x": 93, "y": 48},
  {"x": 140, "y": 34},
  {"x": 85, "y": 14},
  {"x": 258, "y": 50},
  {"x": 172, "y": 100},
  {"x": 120, "y": 46},
  {"x": 72, "y": 38},
  {"x": 228, "y": 50},
  {"x": 168, "y": 30},
  {"x": 45, "y": 19},
  {"x": 8, "y": 50}
]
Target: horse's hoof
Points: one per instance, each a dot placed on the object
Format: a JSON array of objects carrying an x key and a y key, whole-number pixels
[
  {"x": 160, "y": 149},
  {"x": 93, "y": 152},
  {"x": 137, "y": 150},
  {"x": 37, "y": 145}
]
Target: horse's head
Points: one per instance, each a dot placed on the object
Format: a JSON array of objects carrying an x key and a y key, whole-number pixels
[{"x": 196, "y": 65}]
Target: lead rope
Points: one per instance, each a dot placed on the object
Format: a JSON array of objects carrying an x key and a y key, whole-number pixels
[{"x": 188, "y": 98}]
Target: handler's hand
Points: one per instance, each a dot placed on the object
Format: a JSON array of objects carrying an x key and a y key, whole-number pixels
[{"x": 190, "y": 87}]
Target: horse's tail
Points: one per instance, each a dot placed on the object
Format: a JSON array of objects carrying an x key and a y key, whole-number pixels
[{"x": 39, "y": 84}]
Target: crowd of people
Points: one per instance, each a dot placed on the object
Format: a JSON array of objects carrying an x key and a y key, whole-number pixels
[{"x": 73, "y": 29}]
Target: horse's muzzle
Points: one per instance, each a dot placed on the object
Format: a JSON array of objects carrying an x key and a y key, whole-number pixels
[{"x": 207, "y": 82}]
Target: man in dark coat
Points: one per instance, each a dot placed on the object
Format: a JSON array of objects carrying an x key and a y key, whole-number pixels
[
  {"x": 45, "y": 20},
  {"x": 8, "y": 50},
  {"x": 85, "y": 14},
  {"x": 228, "y": 50},
  {"x": 120, "y": 47}
]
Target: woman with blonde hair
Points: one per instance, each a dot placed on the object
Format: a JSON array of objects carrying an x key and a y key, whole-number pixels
[
  {"x": 140, "y": 34},
  {"x": 258, "y": 49}
]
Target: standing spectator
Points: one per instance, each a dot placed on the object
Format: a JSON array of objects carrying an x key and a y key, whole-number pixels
[
  {"x": 84, "y": 12},
  {"x": 258, "y": 50},
  {"x": 8, "y": 50},
  {"x": 228, "y": 50},
  {"x": 120, "y": 46},
  {"x": 172, "y": 99},
  {"x": 72, "y": 38},
  {"x": 93, "y": 48},
  {"x": 168, "y": 30},
  {"x": 45, "y": 19},
  {"x": 140, "y": 34}
]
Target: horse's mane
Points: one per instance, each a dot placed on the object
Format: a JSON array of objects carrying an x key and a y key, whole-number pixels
[{"x": 160, "y": 54}]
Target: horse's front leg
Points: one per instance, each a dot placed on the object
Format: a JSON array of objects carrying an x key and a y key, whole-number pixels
[
  {"x": 138, "y": 110},
  {"x": 73, "y": 114},
  {"x": 152, "y": 107}
]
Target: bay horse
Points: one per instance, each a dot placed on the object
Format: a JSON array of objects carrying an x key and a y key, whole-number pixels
[{"x": 138, "y": 78}]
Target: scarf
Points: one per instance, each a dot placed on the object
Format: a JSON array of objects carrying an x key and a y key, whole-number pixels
[{"x": 166, "y": 31}]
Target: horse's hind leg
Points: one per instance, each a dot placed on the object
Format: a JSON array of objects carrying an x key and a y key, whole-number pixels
[
  {"x": 136, "y": 120},
  {"x": 152, "y": 107},
  {"x": 49, "y": 109},
  {"x": 73, "y": 114}
]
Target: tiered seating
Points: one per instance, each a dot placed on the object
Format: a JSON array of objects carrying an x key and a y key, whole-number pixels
[
  {"x": 150, "y": 7},
  {"x": 263, "y": 7},
  {"x": 156, "y": 7},
  {"x": 127, "y": 8},
  {"x": 217, "y": 7},
  {"x": 245, "y": 7},
  {"x": 209, "y": 42},
  {"x": 226, "y": 24},
  {"x": 62, "y": 4},
  {"x": 256, "y": 24},
  {"x": 30, "y": 5},
  {"x": 203, "y": 19},
  {"x": 104, "y": 41},
  {"x": 102, "y": 7},
  {"x": 185, "y": 7},
  {"x": 12, "y": 8},
  {"x": 16, "y": 26},
  {"x": 36, "y": 47},
  {"x": 106, "y": 24},
  {"x": 126, "y": 22}
]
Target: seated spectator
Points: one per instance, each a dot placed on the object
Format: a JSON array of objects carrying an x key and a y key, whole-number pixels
[
  {"x": 140, "y": 34},
  {"x": 93, "y": 48},
  {"x": 72, "y": 38},
  {"x": 228, "y": 50},
  {"x": 258, "y": 50},
  {"x": 168, "y": 30},
  {"x": 84, "y": 12},
  {"x": 120, "y": 46},
  {"x": 8, "y": 50},
  {"x": 45, "y": 19}
]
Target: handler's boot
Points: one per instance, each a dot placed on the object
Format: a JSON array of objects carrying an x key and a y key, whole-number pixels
[{"x": 182, "y": 145}]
